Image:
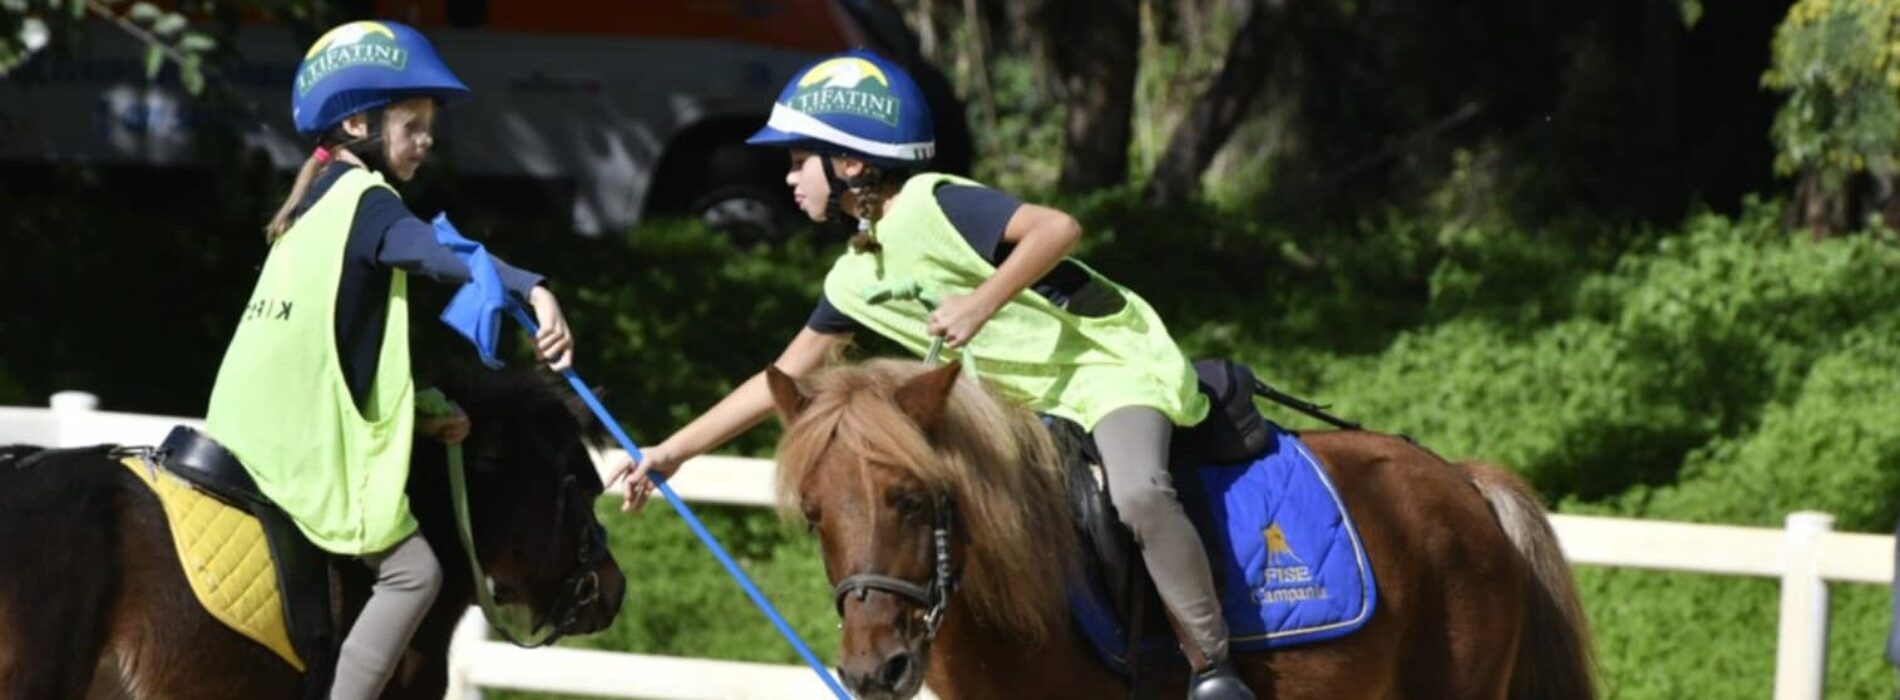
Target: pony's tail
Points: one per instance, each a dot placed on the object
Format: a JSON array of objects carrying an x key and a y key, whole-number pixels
[{"x": 1555, "y": 657}]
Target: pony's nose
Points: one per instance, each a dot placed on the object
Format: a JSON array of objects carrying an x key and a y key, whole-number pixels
[
  {"x": 895, "y": 670},
  {"x": 894, "y": 674}
]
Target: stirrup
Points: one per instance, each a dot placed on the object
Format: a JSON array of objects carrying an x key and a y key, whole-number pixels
[{"x": 1218, "y": 682}]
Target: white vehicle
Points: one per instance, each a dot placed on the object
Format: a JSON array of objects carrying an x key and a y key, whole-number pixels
[{"x": 624, "y": 108}]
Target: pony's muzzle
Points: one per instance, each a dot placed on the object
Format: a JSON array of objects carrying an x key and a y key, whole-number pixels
[
  {"x": 604, "y": 591},
  {"x": 897, "y": 677},
  {"x": 883, "y": 652}
]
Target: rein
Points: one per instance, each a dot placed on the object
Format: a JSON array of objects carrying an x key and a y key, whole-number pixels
[{"x": 581, "y": 584}]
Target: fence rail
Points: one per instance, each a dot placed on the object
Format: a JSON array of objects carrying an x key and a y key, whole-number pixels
[{"x": 1806, "y": 555}]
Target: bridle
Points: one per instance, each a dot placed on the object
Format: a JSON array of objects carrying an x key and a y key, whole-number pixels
[
  {"x": 934, "y": 596},
  {"x": 580, "y": 586}
]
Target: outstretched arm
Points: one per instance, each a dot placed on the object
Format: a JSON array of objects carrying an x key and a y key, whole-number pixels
[{"x": 745, "y": 407}]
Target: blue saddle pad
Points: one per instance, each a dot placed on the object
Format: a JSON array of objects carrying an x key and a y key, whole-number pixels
[{"x": 1287, "y": 560}]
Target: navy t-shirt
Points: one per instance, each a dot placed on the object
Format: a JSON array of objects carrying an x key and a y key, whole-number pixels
[
  {"x": 385, "y": 236},
  {"x": 980, "y": 215}
]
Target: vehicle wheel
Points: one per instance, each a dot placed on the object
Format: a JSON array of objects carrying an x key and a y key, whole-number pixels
[
  {"x": 742, "y": 193},
  {"x": 748, "y": 213}
]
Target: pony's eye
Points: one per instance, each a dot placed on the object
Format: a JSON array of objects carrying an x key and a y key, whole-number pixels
[
  {"x": 811, "y": 520},
  {"x": 910, "y": 504}
]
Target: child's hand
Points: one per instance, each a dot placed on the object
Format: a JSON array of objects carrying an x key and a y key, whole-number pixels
[
  {"x": 553, "y": 342},
  {"x": 959, "y": 317},
  {"x": 451, "y": 429},
  {"x": 635, "y": 488}
]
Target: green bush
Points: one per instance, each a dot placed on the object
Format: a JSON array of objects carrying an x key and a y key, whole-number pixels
[
  {"x": 1834, "y": 447},
  {"x": 1721, "y": 372},
  {"x": 681, "y": 602},
  {"x": 1685, "y": 341}
]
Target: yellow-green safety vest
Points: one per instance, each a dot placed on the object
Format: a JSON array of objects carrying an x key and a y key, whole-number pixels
[
  {"x": 1053, "y": 361},
  {"x": 281, "y": 403}
]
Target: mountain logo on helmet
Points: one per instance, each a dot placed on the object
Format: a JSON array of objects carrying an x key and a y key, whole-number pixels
[
  {"x": 847, "y": 85},
  {"x": 350, "y": 45}
]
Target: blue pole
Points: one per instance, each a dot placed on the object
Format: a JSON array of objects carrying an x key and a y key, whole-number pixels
[{"x": 732, "y": 567}]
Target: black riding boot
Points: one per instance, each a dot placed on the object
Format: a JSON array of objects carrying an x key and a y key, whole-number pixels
[{"x": 1218, "y": 682}]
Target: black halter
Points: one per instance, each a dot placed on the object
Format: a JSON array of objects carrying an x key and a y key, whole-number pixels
[
  {"x": 581, "y": 586},
  {"x": 935, "y": 596}
]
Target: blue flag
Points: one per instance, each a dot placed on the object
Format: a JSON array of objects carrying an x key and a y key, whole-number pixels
[{"x": 476, "y": 310}]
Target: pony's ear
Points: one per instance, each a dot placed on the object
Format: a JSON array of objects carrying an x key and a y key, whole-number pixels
[
  {"x": 575, "y": 405},
  {"x": 786, "y": 394},
  {"x": 924, "y": 396}
]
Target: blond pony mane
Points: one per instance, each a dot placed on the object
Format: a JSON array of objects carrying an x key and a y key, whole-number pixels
[{"x": 994, "y": 459}]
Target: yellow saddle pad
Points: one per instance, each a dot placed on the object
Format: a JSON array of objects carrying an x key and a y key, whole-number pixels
[{"x": 224, "y": 555}]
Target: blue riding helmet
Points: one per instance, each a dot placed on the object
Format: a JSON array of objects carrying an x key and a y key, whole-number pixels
[
  {"x": 364, "y": 65},
  {"x": 856, "y": 103}
]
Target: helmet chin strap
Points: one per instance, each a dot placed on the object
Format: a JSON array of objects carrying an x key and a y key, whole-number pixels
[
  {"x": 370, "y": 148},
  {"x": 834, "y": 206}
]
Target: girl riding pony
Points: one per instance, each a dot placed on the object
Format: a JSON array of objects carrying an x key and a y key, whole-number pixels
[
  {"x": 1046, "y": 330},
  {"x": 315, "y": 396}
]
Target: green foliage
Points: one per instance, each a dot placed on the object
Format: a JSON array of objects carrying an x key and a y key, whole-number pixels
[
  {"x": 674, "y": 316},
  {"x": 1022, "y": 151},
  {"x": 1839, "y": 63},
  {"x": 1833, "y": 444},
  {"x": 1717, "y": 371},
  {"x": 1720, "y": 373},
  {"x": 681, "y": 602},
  {"x": 184, "y": 35},
  {"x": 127, "y": 292},
  {"x": 1723, "y": 372}
]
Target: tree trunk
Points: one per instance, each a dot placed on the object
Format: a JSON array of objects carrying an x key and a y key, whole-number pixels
[
  {"x": 1822, "y": 213},
  {"x": 923, "y": 18},
  {"x": 1095, "y": 46},
  {"x": 978, "y": 22},
  {"x": 1216, "y": 113}
]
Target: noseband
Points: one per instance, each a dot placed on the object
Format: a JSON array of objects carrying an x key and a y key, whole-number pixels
[
  {"x": 581, "y": 586},
  {"x": 933, "y": 597}
]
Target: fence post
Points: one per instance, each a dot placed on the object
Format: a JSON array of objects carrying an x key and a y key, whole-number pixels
[
  {"x": 470, "y": 633},
  {"x": 69, "y": 409},
  {"x": 1801, "y": 646}
]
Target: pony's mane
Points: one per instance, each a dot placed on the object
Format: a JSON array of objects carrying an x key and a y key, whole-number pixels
[
  {"x": 505, "y": 390},
  {"x": 534, "y": 396},
  {"x": 994, "y": 459}
]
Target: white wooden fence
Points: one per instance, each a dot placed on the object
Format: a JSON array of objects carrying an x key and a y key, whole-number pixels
[{"x": 1806, "y": 556}]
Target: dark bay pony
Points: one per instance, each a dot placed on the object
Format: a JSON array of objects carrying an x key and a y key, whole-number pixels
[
  {"x": 93, "y": 603},
  {"x": 1474, "y": 598}
]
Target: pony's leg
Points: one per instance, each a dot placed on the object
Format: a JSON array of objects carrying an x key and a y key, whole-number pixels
[
  {"x": 55, "y": 594},
  {"x": 1480, "y": 635},
  {"x": 1449, "y": 580},
  {"x": 1464, "y": 643}
]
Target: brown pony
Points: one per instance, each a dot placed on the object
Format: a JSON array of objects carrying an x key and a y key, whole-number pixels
[
  {"x": 93, "y": 602},
  {"x": 908, "y": 473}
]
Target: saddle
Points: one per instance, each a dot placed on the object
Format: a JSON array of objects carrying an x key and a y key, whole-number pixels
[
  {"x": 302, "y": 570},
  {"x": 1237, "y": 476}
]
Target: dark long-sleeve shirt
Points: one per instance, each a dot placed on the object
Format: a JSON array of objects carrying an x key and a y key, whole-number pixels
[
  {"x": 385, "y": 236},
  {"x": 980, "y": 215}
]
